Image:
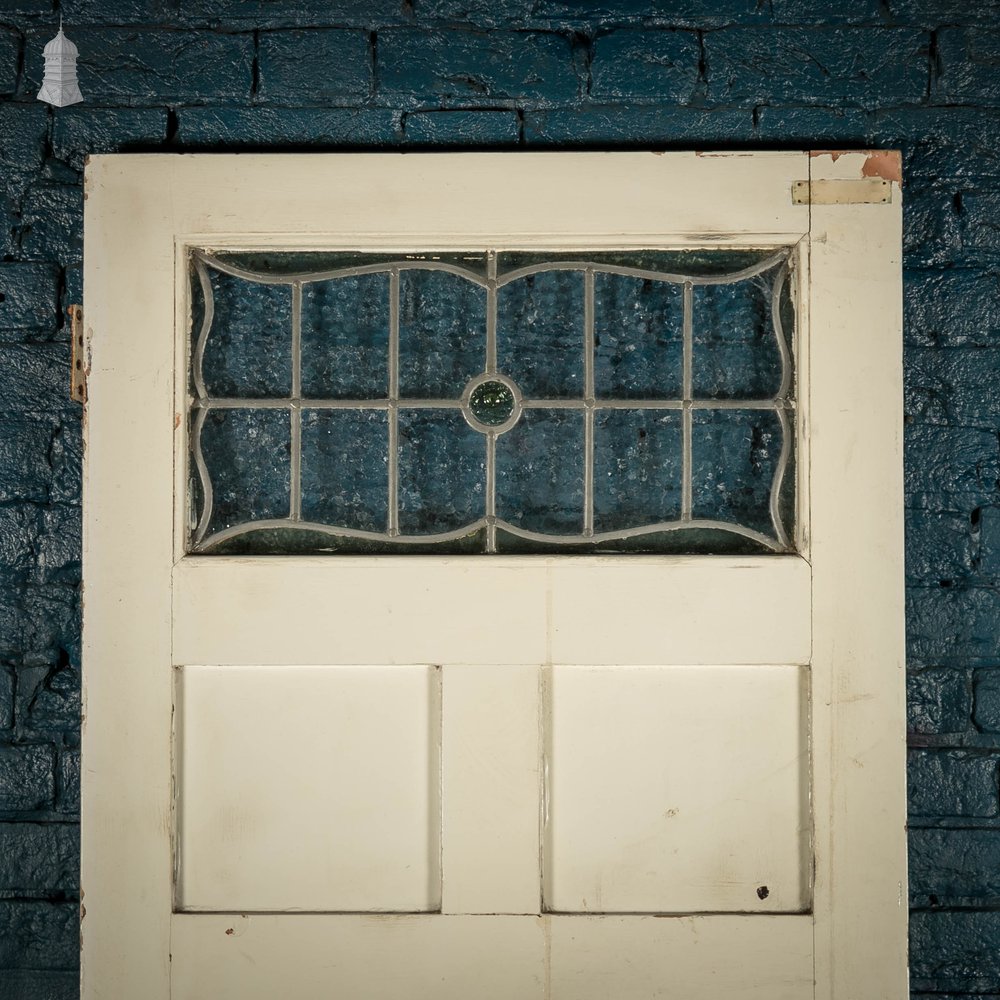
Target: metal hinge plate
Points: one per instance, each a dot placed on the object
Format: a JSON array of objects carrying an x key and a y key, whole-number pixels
[
  {"x": 79, "y": 359},
  {"x": 866, "y": 191}
]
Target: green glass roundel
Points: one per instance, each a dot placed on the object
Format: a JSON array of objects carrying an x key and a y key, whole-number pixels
[{"x": 492, "y": 403}]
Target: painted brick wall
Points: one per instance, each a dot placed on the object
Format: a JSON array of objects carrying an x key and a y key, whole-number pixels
[{"x": 535, "y": 74}]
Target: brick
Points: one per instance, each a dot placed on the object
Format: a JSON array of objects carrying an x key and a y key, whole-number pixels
[
  {"x": 20, "y": 526},
  {"x": 940, "y": 545},
  {"x": 10, "y": 222},
  {"x": 954, "y": 468},
  {"x": 77, "y": 133},
  {"x": 952, "y": 625},
  {"x": 48, "y": 698},
  {"x": 39, "y": 859},
  {"x": 683, "y": 13},
  {"x": 627, "y": 126},
  {"x": 953, "y": 308},
  {"x": 934, "y": 13},
  {"x": 645, "y": 65},
  {"x": 39, "y": 984},
  {"x": 310, "y": 128},
  {"x": 58, "y": 552},
  {"x": 829, "y": 66},
  {"x": 448, "y": 67},
  {"x": 119, "y": 12},
  {"x": 253, "y": 14},
  {"x": 955, "y": 951},
  {"x": 979, "y": 220},
  {"x": 986, "y": 696},
  {"x": 52, "y": 223},
  {"x": 952, "y": 783},
  {"x": 483, "y": 128},
  {"x": 27, "y": 778},
  {"x": 10, "y": 48},
  {"x": 68, "y": 800},
  {"x": 821, "y": 12},
  {"x": 989, "y": 544},
  {"x": 136, "y": 66},
  {"x": 314, "y": 67},
  {"x": 6, "y": 697},
  {"x": 23, "y": 129},
  {"x": 28, "y": 294},
  {"x": 955, "y": 386},
  {"x": 11, "y": 625},
  {"x": 931, "y": 227},
  {"x": 938, "y": 701},
  {"x": 51, "y": 624},
  {"x": 969, "y": 63},
  {"x": 954, "y": 867},
  {"x": 941, "y": 142},
  {"x": 34, "y": 377},
  {"x": 39, "y": 935},
  {"x": 809, "y": 126},
  {"x": 66, "y": 457}
]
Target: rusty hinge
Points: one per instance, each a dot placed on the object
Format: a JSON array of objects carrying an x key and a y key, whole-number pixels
[
  {"x": 79, "y": 362},
  {"x": 865, "y": 191}
]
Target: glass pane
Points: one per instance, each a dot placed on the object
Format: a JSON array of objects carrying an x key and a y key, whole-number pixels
[
  {"x": 540, "y": 471},
  {"x": 622, "y": 400},
  {"x": 345, "y": 462},
  {"x": 345, "y": 338},
  {"x": 540, "y": 334}
]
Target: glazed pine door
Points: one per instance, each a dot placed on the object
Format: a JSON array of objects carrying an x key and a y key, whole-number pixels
[{"x": 494, "y": 776}]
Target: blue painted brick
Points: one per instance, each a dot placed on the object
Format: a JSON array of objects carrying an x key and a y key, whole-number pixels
[
  {"x": 952, "y": 308},
  {"x": 484, "y": 128},
  {"x": 645, "y": 65},
  {"x": 483, "y": 13},
  {"x": 10, "y": 226},
  {"x": 52, "y": 223},
  {"x": 39, "y": 860},
  {"x": 39, "y": 935},
  {"x": 854, "y": 66},
  {"x": 27, "y": 778},
  {"x": 10, "y": 47},
  {"x": 58, "y": 552},
  {"x": 6, "y": 697},
  {"x": 684, "y": 13},
  {"x": 952, "y": 625},
  {"x": 938, "y": 701},
  {"x": 77, "y": 133},
  {"x": 931, "y": 228},
  {"x": 954, "y": 867},
  {"x": 28, "y": 296},
  {"x": 68, "y": 799},
  {"x": 137, "y": 66},
  {"x": 822, "y": 12},
  {"x": 934, "y": 13},
  {"x": 952, "y": 783},
  {"x": 20, "y": 527},
  {"x": 955, "y": 950},
  {"x": 51, "y": 623},
  {"x": 808, "y": 126},
  {"x": 956, "y": 386},
  {"x": 48, "y": 698},
  {"x": 950, "y": 468},
  {"x": 290, "y": 13},
  {"x": 940, "y": 545},
  {"x": 969, "y": 66},
  {"x": 989, "y": 543},
  {"x": 628, "y": 126},
  {"x": 11, "y": 625},
  {"x": 118, "y": 12},
  {"x": 66, "y": 458},
  {"x": 979, "y": 219},
  {"x": 314, "y": 67},
  {"x": 40, "y": 984},
  {"x": 986, "y": 695},
  {"x": 23, "y": 129},
  {"x": 34, "y": 377},
  {"x": 449, "y": 67},
  {"x": 941, "y": 142},
  {"x": 313, "y": 127}
]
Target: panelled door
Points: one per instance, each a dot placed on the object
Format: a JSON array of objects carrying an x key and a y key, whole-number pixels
[{"x": 493, "y": 577}]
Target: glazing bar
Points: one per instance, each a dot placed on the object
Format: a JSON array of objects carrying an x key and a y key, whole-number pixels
[
  {"x": 686, "y": 421},
  {"x": 588, "y": 413},
  {"x": 393, "y": 518},
  {"x": 491, "y": 311},
  {"x": 294, "y": 410},
  {"x": 491, "y": 492}
]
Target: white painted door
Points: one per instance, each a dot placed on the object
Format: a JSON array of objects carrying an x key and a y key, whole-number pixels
[{"x": 551, "y": 776}]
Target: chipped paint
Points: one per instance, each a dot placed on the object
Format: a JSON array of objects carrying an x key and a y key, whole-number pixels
[{"x": 884, "y": 163}]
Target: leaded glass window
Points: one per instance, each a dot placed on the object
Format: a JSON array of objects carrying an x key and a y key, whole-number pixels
[{"x": 497, "y": 401}]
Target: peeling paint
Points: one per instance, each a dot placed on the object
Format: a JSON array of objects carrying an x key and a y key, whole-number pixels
[{"x": 884, "y": 163}]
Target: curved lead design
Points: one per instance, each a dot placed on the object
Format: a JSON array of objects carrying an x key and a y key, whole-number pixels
[{"x": 198, "y": 377}]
